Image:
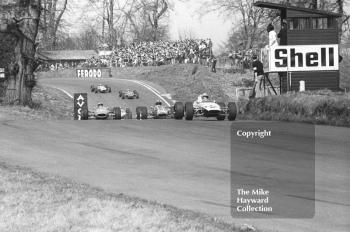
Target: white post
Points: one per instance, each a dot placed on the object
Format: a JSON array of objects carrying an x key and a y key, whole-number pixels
[{"x": 301, "y": 86}]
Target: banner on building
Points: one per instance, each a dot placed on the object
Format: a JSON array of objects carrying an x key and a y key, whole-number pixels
[{"x": 303, "y": 58}]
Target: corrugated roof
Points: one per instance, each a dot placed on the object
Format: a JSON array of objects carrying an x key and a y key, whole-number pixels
[
  {"x": 67, "y": 55},
  {"x": 271, "y": 5}
]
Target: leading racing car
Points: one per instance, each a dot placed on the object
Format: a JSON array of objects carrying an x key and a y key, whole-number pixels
[
  {"x": 100, "y": 88},
  {"x": 103, "y": 112},
  {"x": 204, "y": 107}
]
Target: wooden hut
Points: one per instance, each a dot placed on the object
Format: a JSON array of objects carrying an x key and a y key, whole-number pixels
[{"x": 315, "y": 32}]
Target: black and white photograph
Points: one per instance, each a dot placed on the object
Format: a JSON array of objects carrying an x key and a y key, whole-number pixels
[{"x": 174, "y": 115}]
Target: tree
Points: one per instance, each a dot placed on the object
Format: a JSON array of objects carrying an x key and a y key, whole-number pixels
[
  {"x": 21, "y": 24},
  {"x": 53, "y": 11},
  {"x": 157, "y": 10},
  {"x": 252, "y": 20}
]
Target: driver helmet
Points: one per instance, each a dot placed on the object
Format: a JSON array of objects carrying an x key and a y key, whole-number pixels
[
  {"x": 158, "y": 103},
  {"x": 99, "y": 104},
  {"x": 205, "y": 97}
]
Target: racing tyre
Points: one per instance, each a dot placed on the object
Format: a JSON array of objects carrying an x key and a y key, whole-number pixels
[
  {"x": 138, "y": 113},
  {"x": 144, "y": 113},
  {"x": 120, "y": 93},
  {"x": 189, "y": 111},
  {"x": 232, "y": 111},
  {"x": 222, "y": 115},
  {"x": 136, "y": 94},
  {"x": 109, "y": 90},
  {"x": 178, "y": 111},
  {"x": 128, "y": 113},
  {"x": 117, "y": 113},
  {"x": 123, "y": 96}
]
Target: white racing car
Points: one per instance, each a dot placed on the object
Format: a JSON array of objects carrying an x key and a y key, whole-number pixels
[
  {"x": 128, "y": 94},
  {"x": 103, "y": 112},
  {"x": 158, "y": 111},
  {"x": 100, "y": 88},
  {"x": 203, "y": 107}
]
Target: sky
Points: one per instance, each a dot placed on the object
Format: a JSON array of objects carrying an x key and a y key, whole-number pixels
[{"x": 184, "y": 19}]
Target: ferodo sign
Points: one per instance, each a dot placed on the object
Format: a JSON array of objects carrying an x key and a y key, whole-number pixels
[
  {"x": 80, "y": 106},
  {"x": 304, "y": 58},
  {"x": 89, "y": 73}
]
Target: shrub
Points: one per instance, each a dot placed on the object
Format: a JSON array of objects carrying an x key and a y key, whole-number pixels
[{"x": 319, "y": 107}]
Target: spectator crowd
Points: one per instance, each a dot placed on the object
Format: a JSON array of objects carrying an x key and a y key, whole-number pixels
[{"x": 156, "y": 54}]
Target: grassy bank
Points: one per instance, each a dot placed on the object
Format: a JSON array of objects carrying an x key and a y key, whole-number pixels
[
  {"x": 48, "y": 104},
  {"x": 184, "y": 82},
  {"x": 35, "y": 202},
  {"x": 318, "y": 107}
]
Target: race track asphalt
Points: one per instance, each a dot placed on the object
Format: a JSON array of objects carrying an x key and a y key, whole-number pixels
[{"x": 185, "y": 164}]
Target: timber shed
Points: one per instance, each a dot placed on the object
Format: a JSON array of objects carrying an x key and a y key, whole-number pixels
[{"x": 307, "y": 26}]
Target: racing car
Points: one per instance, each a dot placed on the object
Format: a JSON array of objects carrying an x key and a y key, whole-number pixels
[
  {"x": 103, "y": 112},
  {"x": 128, "y": 94},
  {"x": 203, "y": 107},
  {"x": 100, "y": 88},
  {"x": 158, "y": 111}
]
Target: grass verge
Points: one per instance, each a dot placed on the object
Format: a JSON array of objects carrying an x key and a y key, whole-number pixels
[
  {"x": 48, "y": 104},
  {"x": 36, "y": 202},
  {"x": 317, "y": 107}
]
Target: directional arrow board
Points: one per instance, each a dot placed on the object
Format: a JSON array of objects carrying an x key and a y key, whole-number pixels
[
  {"x": 2, "y": 73},
  {"x": 80, "y": 106}
]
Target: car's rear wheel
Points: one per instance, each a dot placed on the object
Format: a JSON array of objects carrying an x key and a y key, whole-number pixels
[
  {"x": 123, "y": 96},
  {"x": 144, "y": 113},
  {"x": 189, "y": 111},
  {"x": 138, "y": 113},
  {"x": 178, "y": 111},
  {"x": 136, "y": 94},
  {"x": 128, "y": 113},
  {"x": 222, "y": 115},
  {"x": 120, "y": 93},
  {"x": 232, "y": 111},
  {"x": 117, "y": 113}
]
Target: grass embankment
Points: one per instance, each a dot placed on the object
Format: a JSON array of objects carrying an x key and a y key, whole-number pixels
[
  {"x": 48, "y": 104},
  {"x": 186, "y": 82},
  {"x": 317, "y": 107},
  {"x": 183, "y": 82},
  {"x": 35, "y": 202}
]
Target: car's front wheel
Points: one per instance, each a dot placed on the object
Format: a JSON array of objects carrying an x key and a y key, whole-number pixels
[{"x": 178, "y": 111}]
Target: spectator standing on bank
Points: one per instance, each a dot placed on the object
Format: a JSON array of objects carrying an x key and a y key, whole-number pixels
[
  {"x": 272, "y": 36},
  {"x": 213, "y": 64},
  {"x": 282, "y": 35},
  {"x": 258, "y": 69}
]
